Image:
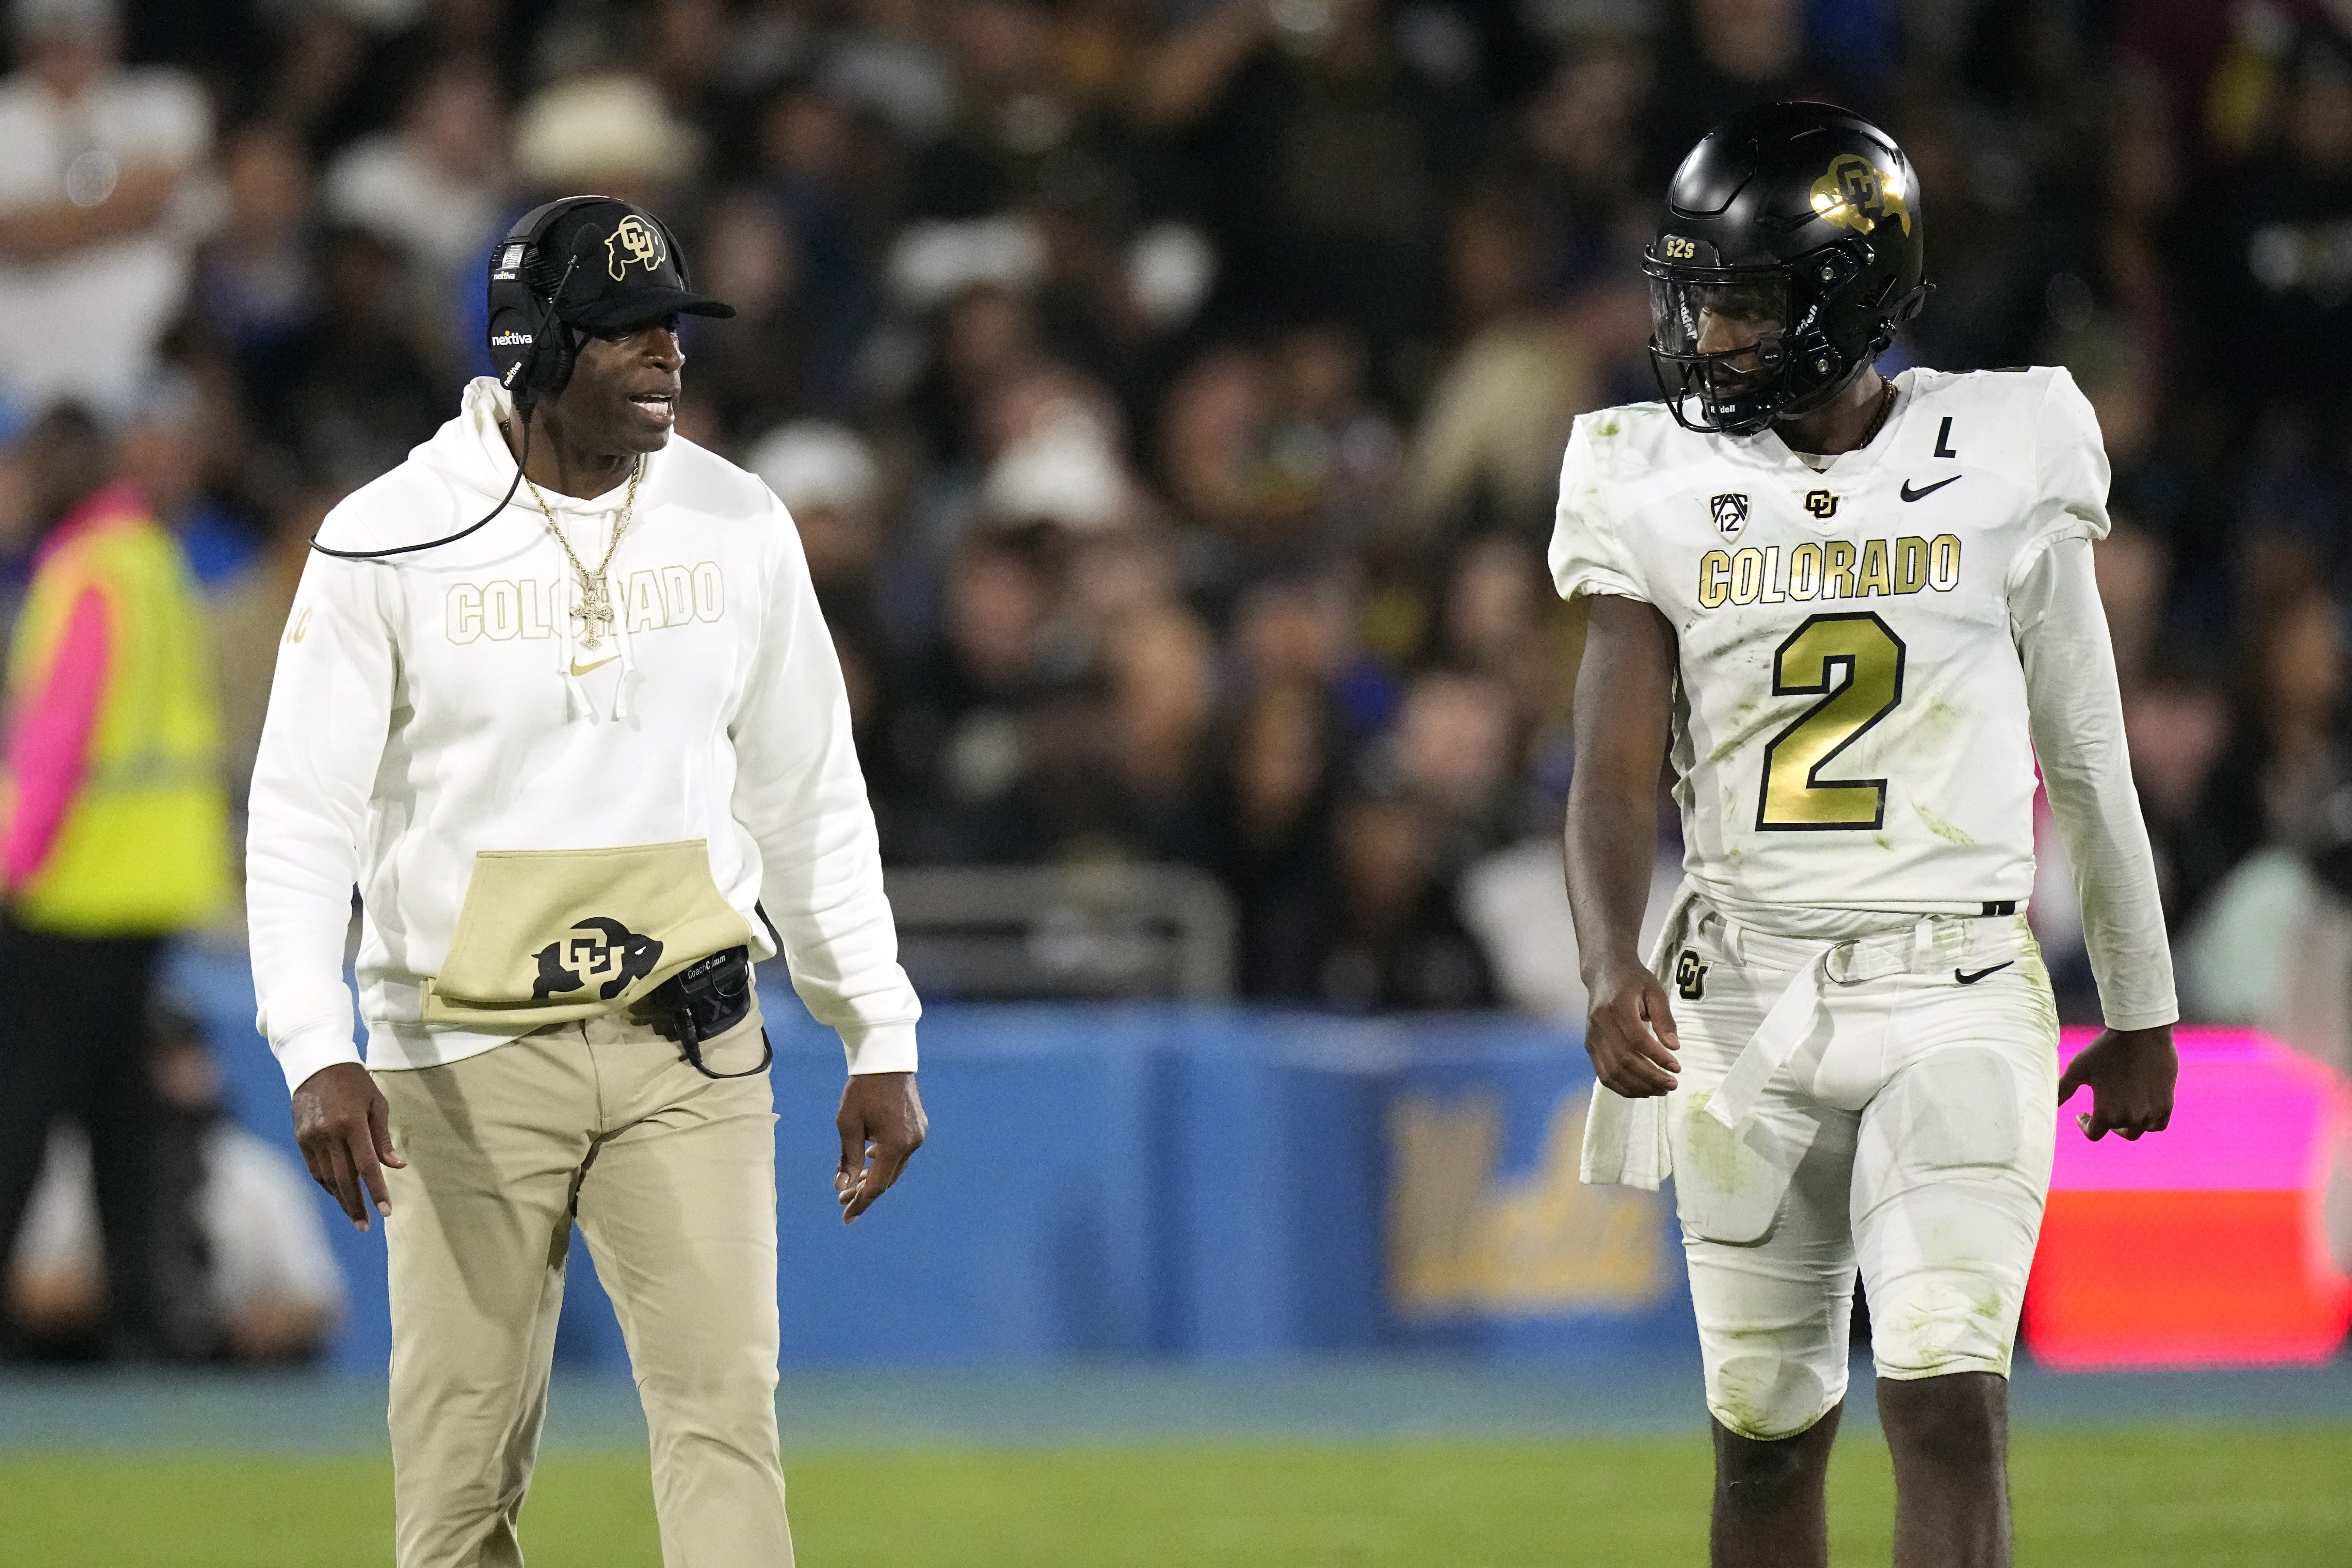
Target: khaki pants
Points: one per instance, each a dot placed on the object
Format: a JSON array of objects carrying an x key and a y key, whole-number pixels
[{"x": 671, "y": 1176}]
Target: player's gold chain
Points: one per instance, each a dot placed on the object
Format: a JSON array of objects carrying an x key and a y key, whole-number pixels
[
  {"x": 1886, "y": 407},
  {"x": 595, "y": 605}
]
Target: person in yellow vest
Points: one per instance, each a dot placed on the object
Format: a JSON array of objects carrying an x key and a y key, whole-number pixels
[{"x": 113, "y": 834}]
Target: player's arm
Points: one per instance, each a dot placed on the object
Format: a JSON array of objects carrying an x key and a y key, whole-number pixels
[
  {"x": 1624, "y": 692},
  {"x": 2077, "y": 712}
]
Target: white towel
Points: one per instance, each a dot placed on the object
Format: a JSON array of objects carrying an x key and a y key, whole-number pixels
[{"x": 1625, "y": 1140}]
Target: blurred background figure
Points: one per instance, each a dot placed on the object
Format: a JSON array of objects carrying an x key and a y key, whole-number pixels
[
  {"x": 97, "y": 163},
  {"x": 257, "y": 1282},
  {"x": 114, "y": 837}
]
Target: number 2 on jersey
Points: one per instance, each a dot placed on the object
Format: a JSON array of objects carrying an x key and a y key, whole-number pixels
[{"x": 1859, "y": 647}]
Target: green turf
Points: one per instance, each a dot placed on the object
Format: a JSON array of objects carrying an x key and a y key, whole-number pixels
[{"x": 2119, "y": 1499}]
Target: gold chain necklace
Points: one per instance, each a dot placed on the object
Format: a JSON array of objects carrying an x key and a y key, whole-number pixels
[
  {"x": 596, "y": 612},
  {"x": 1886, "y": 407}
]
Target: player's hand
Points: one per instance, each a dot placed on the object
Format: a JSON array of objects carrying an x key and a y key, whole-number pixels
[
  {"x": 1629, "y": 1032},
  {"x": 2131, "y": 1073},
  {"x": 345, "y": 1127},
  {"x": 881, "y": 1114}
]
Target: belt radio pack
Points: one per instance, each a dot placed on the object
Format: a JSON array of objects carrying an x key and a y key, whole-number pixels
[{"x": 702, "y": 1002}]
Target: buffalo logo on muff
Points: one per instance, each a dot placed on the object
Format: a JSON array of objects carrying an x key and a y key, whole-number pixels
[{"x": 602, "y": 952}]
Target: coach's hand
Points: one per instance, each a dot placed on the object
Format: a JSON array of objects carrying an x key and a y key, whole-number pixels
[
  {"x": 881, "y": 1115},
  {"x": 345, "y": 1127},
  {"x": 2131, "y": 1074},
  {"x": 1629, "y": 1032}
]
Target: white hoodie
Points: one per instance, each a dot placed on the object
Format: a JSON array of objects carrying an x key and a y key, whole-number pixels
[{"x": 541, "y": 827}]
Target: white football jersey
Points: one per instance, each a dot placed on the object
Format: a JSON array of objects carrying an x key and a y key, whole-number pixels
[{"x": 1850, "y": 727}]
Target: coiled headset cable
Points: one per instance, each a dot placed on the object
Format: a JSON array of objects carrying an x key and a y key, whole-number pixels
[{"x": 525, "y": 399}]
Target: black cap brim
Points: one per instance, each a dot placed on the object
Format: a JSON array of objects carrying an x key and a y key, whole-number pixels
[{"x": 639, "y": 306}]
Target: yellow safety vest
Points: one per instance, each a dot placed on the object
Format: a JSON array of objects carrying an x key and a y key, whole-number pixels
[{"x": 144, "y": 847}]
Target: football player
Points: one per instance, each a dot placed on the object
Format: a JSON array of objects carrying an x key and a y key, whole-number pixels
[{"x": 1857, "y": 613}]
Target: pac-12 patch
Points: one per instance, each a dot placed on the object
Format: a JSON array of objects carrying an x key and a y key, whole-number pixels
[{"x": 1730, "y": 513}]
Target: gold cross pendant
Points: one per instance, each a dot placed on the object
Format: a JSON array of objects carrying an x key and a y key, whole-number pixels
[{"x": 594, "y": 612}]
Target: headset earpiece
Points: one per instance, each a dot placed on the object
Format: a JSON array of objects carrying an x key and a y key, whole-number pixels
[{"x": 531, "y": 350}]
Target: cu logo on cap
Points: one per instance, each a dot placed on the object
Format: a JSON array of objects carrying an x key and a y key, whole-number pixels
[{"x": 635, "y": 242}]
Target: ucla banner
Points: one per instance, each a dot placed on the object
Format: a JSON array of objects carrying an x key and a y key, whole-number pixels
[{"x": 1492, "y": 1242}]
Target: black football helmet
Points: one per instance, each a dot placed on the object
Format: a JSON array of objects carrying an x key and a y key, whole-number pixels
[{"x": 1788, "y": 255}]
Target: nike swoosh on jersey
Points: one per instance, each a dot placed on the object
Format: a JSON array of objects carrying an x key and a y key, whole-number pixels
[
  {"x": 1910, "y": 494},
  {"x": 580, "y": 668},
  {"x": 1979, "y": 974}
]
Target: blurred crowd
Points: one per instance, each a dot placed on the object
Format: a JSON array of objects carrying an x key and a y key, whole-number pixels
[{"x": 1170, "y": 392}]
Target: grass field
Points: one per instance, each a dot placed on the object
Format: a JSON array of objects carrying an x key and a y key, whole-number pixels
[{"x": 2147, "y": 1498}]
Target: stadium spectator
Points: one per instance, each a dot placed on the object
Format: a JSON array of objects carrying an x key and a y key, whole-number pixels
[
  {"x": 2286, "y": 754},
  {"x": 2282, "y": 254},
  {"x": 352, "y": 390},
  {"x": 114, "y": 837},
  {"x": 1276, "y": 812},
  {"x": 256, "y": 277},
  {"x": 1733, "y": 54},
  {"x": 1322, "y": 152},
  {"x": 437, "y": 187},
  {"x": 1394, "y": 941},
  {"x": 182, "y": 440},
  {"x": 95, "y": 233}
]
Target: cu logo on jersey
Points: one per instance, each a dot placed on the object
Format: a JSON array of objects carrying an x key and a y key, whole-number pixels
[
  {"x": 1690, "y": 976},
  {"x": 1821, "y": 504},
  {"x": 604, "y": 952},
  {"x": 1730, "y": 513}
]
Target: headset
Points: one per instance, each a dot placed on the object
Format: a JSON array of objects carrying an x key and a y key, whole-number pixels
[{"x": 531, "y": 349}]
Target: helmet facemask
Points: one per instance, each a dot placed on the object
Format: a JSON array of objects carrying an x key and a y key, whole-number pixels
[
  {"x": 1736, "y": 348},
  {"x": 1718, "y": 339}
]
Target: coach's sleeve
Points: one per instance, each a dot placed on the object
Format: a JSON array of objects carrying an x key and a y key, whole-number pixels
[
  {"x": 1585, "y": 555},
  {"x": 799, "y": 791},
  {"x": 2078, "y": 737},
  {"x": 330, "y": 711}
]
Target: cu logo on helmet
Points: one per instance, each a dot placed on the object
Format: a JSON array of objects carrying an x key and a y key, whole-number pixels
[
  {"x": 1856, "y": 193},
  {"x": 634, "y": 243}
]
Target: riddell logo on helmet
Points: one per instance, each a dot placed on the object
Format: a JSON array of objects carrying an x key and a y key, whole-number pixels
[
  {"x": 1858, "y": 195},
  {"x": 635, "y": 242}
]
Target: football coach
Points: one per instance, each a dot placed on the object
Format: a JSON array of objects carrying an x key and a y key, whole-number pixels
[{"x": 586, "y": 756}]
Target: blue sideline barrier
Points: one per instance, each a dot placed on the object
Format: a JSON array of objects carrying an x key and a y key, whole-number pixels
[{"x": 1150, "y": 1180}]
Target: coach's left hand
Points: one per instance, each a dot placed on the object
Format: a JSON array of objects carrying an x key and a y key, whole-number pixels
[
  {"x": 2131, "y": 1073},
  {"x": 881, "y": 1115}
]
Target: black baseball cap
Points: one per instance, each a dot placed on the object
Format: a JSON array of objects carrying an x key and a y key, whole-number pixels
[{"x": 623, "y": 270}]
